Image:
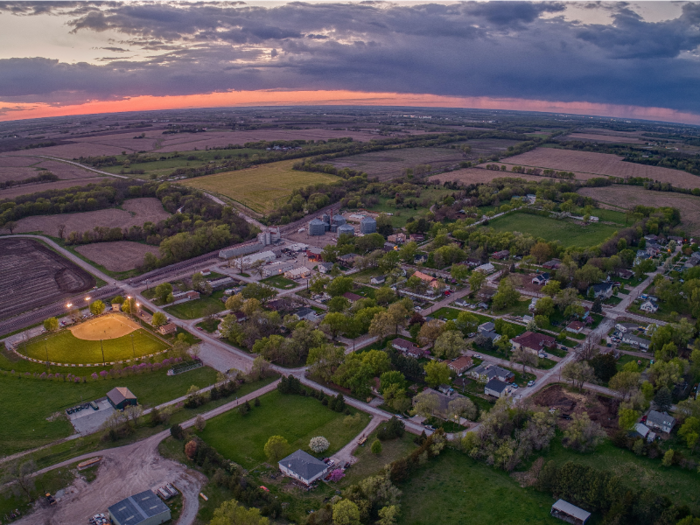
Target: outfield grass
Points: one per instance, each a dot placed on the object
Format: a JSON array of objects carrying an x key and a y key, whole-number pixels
[
  {"x": 199, "y": 307},
  {"x": 296, "y": 418},
  {"x": 26, "y": 403},
  {"x": 456, "y": 490},
  {"x": 263, "y": 188},
  {"x": 278, "y": 281},
  {"x": 64, "y": 347},
  {"x": 564, "y": 231}
]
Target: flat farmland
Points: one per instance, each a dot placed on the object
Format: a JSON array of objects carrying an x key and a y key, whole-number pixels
[
  {"x": 16, "y": 173},
  {"x": 480, "y": 175},
  {"x": 119, "y": 256},
  {"x": 27, "y": 189},
  {"x": 389, "y": 164},
  {"x": 32, "y": 276},
  {"x": 78, "y": 149},
  {"x": 569, "y": 233},
  {"x": 12, "y": 161},
  {"x": 260, "y": 188},
  {"x": 598, "y": 164},
  {"x": 65, "y": 171},
  {"x": 627, "y": 197},
  {"x": 135, "y": 213},
  {"x": 604, "y": 138}
]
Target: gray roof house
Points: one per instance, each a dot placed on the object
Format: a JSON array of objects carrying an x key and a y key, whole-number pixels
[
  {"x": 144, "y": 508},
  {"x": 569, "y": 513},
  {"x": 642, "y": 431},
  {"x": 496, "y": 388},
  {"x": 307, "y": 314},
  {"x": 485, "y": 372},
  {"x": 660, "y": 421},
  {"x": 602, "y": 290},
  {"x": 635, "y": 340},
  {"x": 303, "y": 467},
  {"x": 487, "y": 327}
]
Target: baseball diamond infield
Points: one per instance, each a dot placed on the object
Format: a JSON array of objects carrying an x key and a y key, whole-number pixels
[{"x": 107, "y": 327}]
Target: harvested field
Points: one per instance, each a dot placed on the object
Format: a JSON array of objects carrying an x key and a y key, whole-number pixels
[
  {"x": 599, "y": 408},
  {"x": 597, "y": 164},
  {"x": 65, "y": 171},
  {"x": 480, "y": 175},
  {"x": 259, "y": 188},
  {"x": 17, "y": 173},
  {"x": 119, "y": 256},
  {"x": 627, "y": 197},
  {"x": 387, "y": 165},
  {"x": 32, "y": 276},
  {"x": 28, "y": 189},
  {"x": 135, "y": 213},
  {"x": 78, "y": 149},
  {"x": 11, "y": 161},
  {"x": 604, "y": 138}
]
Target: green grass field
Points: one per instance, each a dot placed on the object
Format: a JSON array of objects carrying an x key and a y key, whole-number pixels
[
  {"x": 278, "y": 281},
  {"x": 456, "y": 490},
  {"x": 261, "y": 188},
  {"x": 199, "y": 307},
  {"x": 401, "y": 215},
  {"x": 564, "y": 231},
  {"x": 63, "y": 347},
  {"x": 298, "y": 419},
  {"x": 26, "y": 403}
]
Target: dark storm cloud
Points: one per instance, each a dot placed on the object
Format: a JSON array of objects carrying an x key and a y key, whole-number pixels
[{"x": 519, "y": 50}]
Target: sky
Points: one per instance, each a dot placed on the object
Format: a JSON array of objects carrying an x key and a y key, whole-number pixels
[{"x": 634, "y": 60}]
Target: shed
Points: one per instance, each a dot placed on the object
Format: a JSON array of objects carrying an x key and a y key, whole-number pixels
[
  {"x": 144, "y": 508},
  {"x": 121, "y": 397},
  {"x": 303, "y": 467},
  {"x": 569, "y": 513},
  {"x": 167, "y": 329}
]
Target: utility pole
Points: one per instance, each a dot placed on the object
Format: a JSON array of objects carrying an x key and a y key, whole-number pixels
[
  {"x": 104, "y": 362},
  {"x": 132, "y": 347}
]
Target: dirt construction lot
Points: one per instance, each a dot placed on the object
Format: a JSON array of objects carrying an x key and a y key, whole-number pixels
[
  {"x": 31, "y": 276},
  {"x": 105, "y": 327},
  {"x": 599, "y": 408},
  {"x": 627, "y": 197},
  {"x": 119, "y": 256},
  {"x": 598, "y": 164},
  {"x": 135, "y": 213},
  {"x": 124, "y": 471}
]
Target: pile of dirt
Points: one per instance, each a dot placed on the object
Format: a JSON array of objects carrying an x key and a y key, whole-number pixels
[{"x": 599, "y": 408}]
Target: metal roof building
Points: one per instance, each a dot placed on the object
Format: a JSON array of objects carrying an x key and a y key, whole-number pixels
[
  {"x": 368, "y": 225},
  {"x": 120, "y": 397},
  {"x": 317, "y": 227},
  {"x": 346, "y": 229},
  {"x": 144, "y": 508},
  {"x": 303, "y": 467},
  {"x": 569, "y": 513}
]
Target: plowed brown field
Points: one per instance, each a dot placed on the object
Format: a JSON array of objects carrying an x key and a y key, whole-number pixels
[
  {"x": 27, "y": 189},
  {"x": 479, "y": 175},
  {"x": 119, "y": 256},
  {"x": 604, "y": 138}
]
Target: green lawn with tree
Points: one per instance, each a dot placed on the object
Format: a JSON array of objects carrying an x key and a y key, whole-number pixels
[
  {"x": 64, "y": 347},
  {"x": 199, "y": 307},
  {"x": 281, "y": 282},
  {"x": 296, "y": 418}
]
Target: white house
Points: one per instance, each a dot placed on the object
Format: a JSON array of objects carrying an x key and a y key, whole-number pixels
[
  {"x": 660, "y": 421},
  {"x": 303, "y": 467},
  {"x": 487, "y": 268}
]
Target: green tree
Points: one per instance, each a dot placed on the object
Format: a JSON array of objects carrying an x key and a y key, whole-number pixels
[
  {"x": 467, "y": 322},
  {"x": 449, "y": 345},
  {"x": 690, "y": 431},
  {"x": 552, "y": 288},
  {"x": 381, "y": 326},
  {"x": 163, "y": 290},
  {"x": 436, "y": 373},
  {"x": 338, "y": 304},
  {"x": 663, "y": 399},
  {"x": 324, "y": 360},
  {"x": 627, "y": 418},
  {"x": 318, "y": 283},
  {"x": 384, "y": 295},
  {"x": 459, "y": 272},
  {"x": 51, "y": 324},
  {"x": 425, "y": 404},
  {"x": 339, "y": 286},
  {"x": 429, "y": 332},
  {"x": 346, "y": 512},
  {"x": 159, "y": 319},
  {"x": 232, "y": 513},
  {"x": 335, "y": 322},
  {"x": 544, "y": 306},
  {"x": 97, "y": 307},
  {"x": 625, "y": 382},
  {"x": 276, "y": 448},
  {"x": 476, "y": 281},
  {"x": 582, "y": 434},
  {"x": 376, "y": 447},
  {"x": 393, "y": 377},
  {"x": 235, "y": 302},
  {"x": 506, "y": 295}
]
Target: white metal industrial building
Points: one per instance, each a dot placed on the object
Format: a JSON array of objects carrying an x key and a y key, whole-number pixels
[{"x": 144, "y": 508}]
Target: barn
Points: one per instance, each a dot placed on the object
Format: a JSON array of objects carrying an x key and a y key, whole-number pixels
[{"x": 120, "y": 397}]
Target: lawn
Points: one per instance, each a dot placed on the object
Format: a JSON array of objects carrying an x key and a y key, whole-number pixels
[
  {"x": 452, "y": 313},
  {"x": 369, "y": 464},
  {"x": 567, "y": 232},
  {"x": 199, "y": 307},
  {"x": 64, "y": 347},
  {"x": 262, "y": 188},
  {"x": 454, "y": 489},
  {"x": 27, "y": 403},
  {"x": 280, "y": 282},
  {"x": 296, "y": 418},
  {"x": 400, "y": 216}
]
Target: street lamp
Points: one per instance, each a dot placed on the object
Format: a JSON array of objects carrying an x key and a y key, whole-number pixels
[{"x": 69, "y": 305}]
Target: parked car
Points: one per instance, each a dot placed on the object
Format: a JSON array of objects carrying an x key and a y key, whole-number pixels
[
  {"x": 515, "y": 386},
  {"x": 530, "y": 383}
]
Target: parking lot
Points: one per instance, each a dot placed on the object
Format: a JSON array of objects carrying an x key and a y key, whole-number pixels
[{"x": 88, "y": 420}]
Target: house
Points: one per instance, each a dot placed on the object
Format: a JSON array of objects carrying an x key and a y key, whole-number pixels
[
  {"x": 692, "y": 261},
  {"x": 461, "y": 302},
  {"x": 389, "y": 247},
  {"x": 533, "y": 304},
  {"x": 626, "y": 327},
  {"x": 347, "y": 259},
  {"x": 472, "y": 262},
  {"x": 486, "y": 294},
  {"x": 431, "y": 281},
  {"x": 303, "y": 467},
  {"x": 461, "y": 364},
  {"x": 575, "y": 327},
  {"x": 352, "y": 297},
  {"x": 649, "y": 307},
  {"x": 553, "y": 264},
  {"x": 660, "y": 421},
  {"x": 277, "y": 268},
  {"x": 530, "y": 198},
  {"x": 651, "y": 237},
  {"x": 189, "y": 295},
  {"x": 325, "y": 267},
  {"x": 601, "y": 290},
  {"x": 496, "y": 388},
  {"x": 417, "y": 237},
  {"x": 314, "y": 254},
  {"x": 486, "y": 327},
  {"x": 533, "y": 342},
  {"x": 487, "y": 371},
  {"x": 541, "y": 279},
  {"x": 653, "y": 249},
  {"x": 397, "y": 238},
  {"x": 626, "y": 274},
  {"x": 120, "y": 397},
  {"x": 642, "y": 431},
  {"x": 499, "y": 256},
  {"x": 206, "y": 272},
  {"x": 487, "y": 268},
  {"x": 443, "y": 401},
  {"x": 222, "y": 282},
  {"x": 408, "y": 348},
  {"x": 420, "y": 258},
  {"x": 569, "y": 513},
  {"x": 634, "y": 340},
  {"x": 379, "y": 279},
  {"x": 240, "y": 317},
  {"x": 144, "y": 508},
  {"x": 307, "y": 314},
  {"x": 167, "y": 329},
  {"x": 298, "y": 273}
]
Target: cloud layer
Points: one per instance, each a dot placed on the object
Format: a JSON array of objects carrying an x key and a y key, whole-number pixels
[{"x": 499, "y": 50}]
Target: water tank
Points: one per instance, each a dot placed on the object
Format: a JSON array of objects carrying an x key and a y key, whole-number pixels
[
  {"x": 317, "y": 227},
  {"x": 338, "y": 220},
  {"x": 368, "y": 225},
  {"x": 346, "y": 229}
]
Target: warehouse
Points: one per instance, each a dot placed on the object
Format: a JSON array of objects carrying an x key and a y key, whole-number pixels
[{"x": 144, "y": 508}]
